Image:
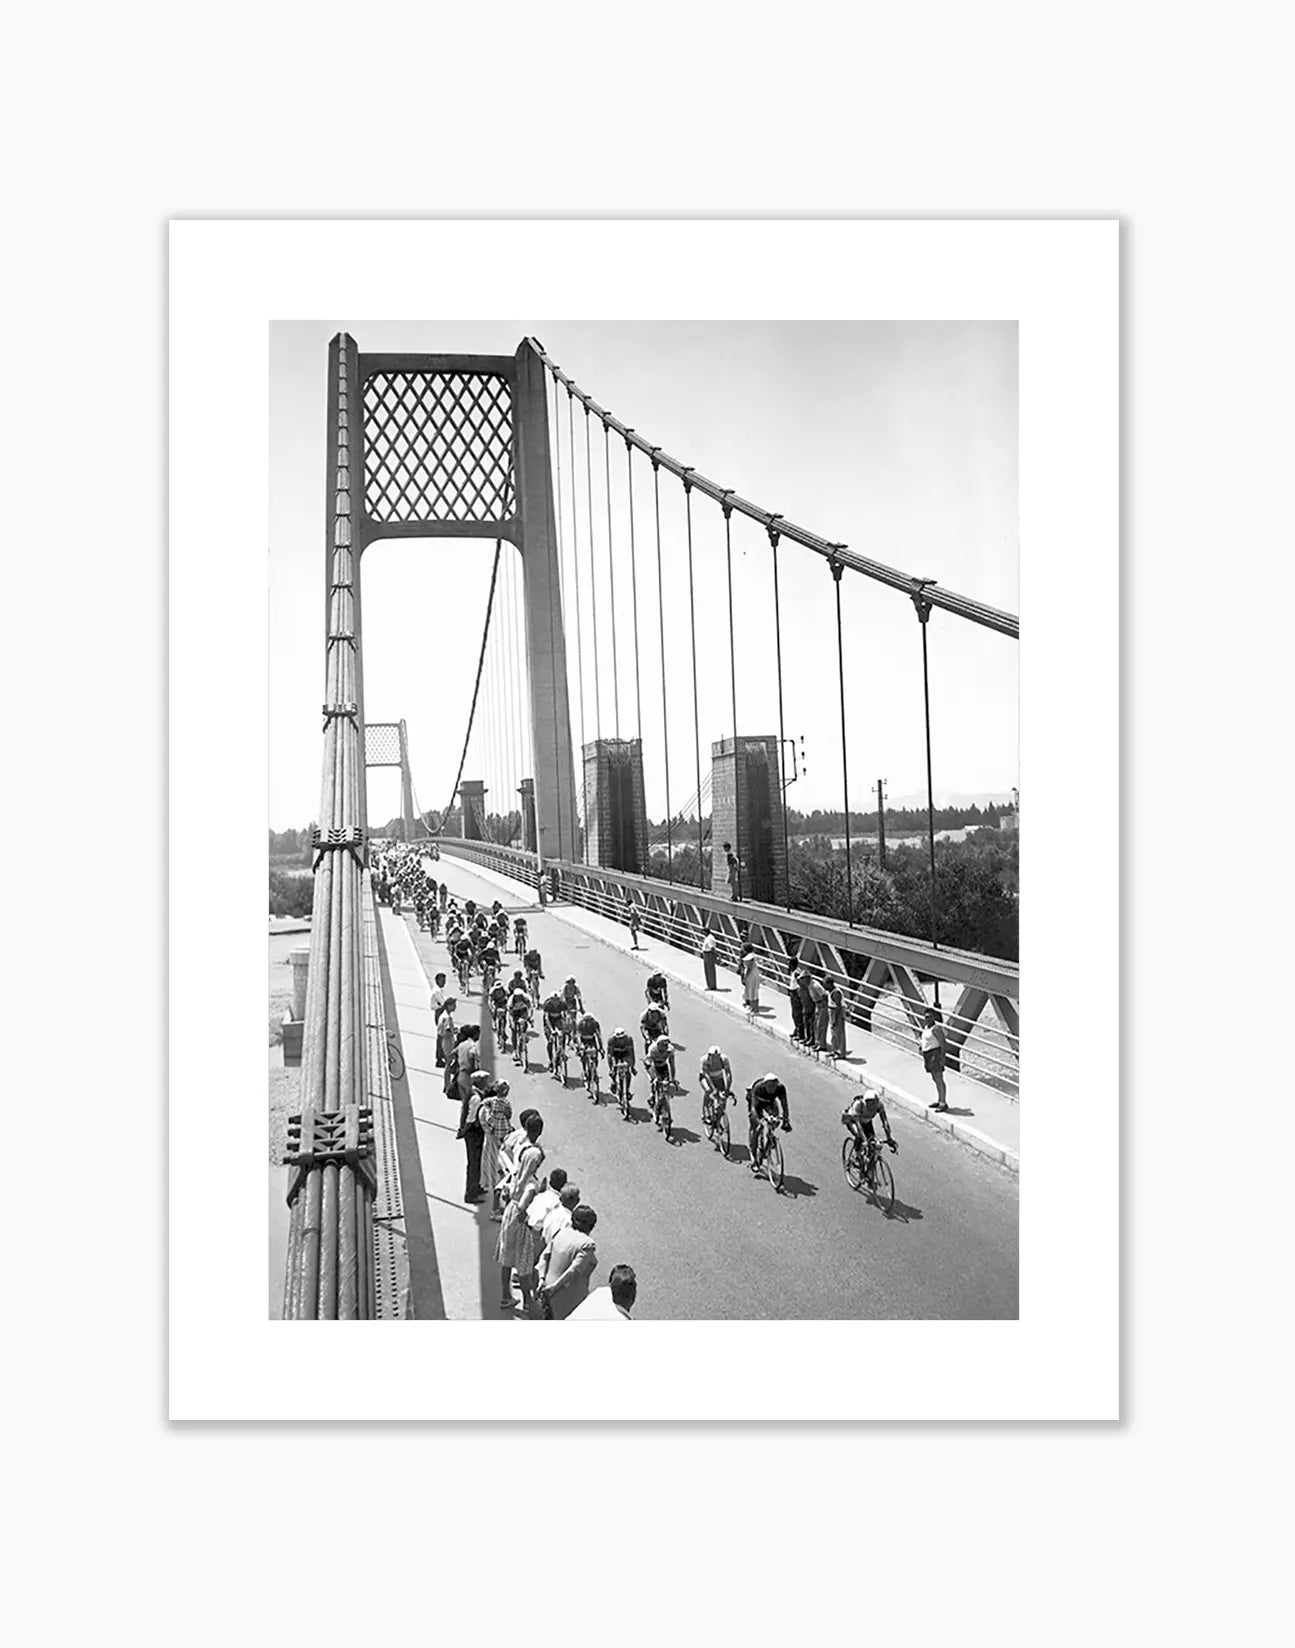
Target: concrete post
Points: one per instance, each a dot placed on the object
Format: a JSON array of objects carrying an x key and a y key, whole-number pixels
[
  {"x": 406, "y": 786},
  {"x": 472, "y": 796},
  {"x": 746, "y": 810},
  {"x": 555, "y": 788},
  {"x": 300, "y": 959},
  {"x": 527, "y": 792}
]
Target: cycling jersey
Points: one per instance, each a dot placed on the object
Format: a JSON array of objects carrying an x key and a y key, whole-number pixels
[
  {"x": 768, "y": 1096},
  {"x": 716, "y": 1067},
  {"x": 519, "y": 1004},
  {"x": 498, "y": 995},
  {"x": 554, "y": 1008},
  {"x": 653, "y": 1022},
  {"x": 656, "y": 986},
  {"x": 571, "y": 995},
  {"x": 589, "y": 1028},
  {"x": 532, "y": 959},
  {"x": 490, "y": 956},
  {"x": 621, "y": 1047},
  {"x": 864, "y": 1112},
  {"x": 660, "y": 1053},
  {"x": 462, "y": 949}
]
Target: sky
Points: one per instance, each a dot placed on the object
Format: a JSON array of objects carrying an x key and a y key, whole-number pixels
[{"x": 897, "y": 438}]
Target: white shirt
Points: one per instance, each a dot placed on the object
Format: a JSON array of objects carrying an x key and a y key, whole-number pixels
[
  {"x": 599, "y": 1307},
  {"x": 540, "y": 1208},
  {"x": 556, "y": 1219},
  {"x": 440, "y": 996}
]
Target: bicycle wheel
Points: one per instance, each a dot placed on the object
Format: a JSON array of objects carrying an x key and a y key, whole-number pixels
[
  {"x": 773, "y": 1163},
  {"x": 623, "y": 1095},
  {"x": 721, "y": 1135},
  {"x": 883, "y": 1185},
  {"x": 663, "y": 1116},
  {"x": 852, "y": 1162},
  {"x": 395, "y": 1061}
]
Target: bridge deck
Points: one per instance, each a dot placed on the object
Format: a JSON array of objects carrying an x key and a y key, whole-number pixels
[{"x": 706, "y": 1239}]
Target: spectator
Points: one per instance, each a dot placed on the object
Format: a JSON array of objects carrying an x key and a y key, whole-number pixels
[
  {"x": 545, "y": 1201},
  {"x": 818, "y": 1023},
  {"x": 467, "y": 1061},
  {"x": 636, "y": 922},
  {"x": 612, "y": 1303},
  {"x": 806, "y": 1006},
  {"x": 472, "y": 1134},
  {"x": 734, "y": 873},
  {"x": 516, "y": 1247},
  {"x": 836, "y": 1022},
  {"x": 749, "y": 967},
  {"x": 797, "y": 1012},
  {"x": 709, "y": 948},
  {"x": 569, "y": 1261},
  {"x": 440, "y": 995},
  {"x": 934, "y": 1046},
  {"x": 447, "y": 1036},
  {"x": 559, "y": 1217},
  {"x": 496, "y": 1118}
]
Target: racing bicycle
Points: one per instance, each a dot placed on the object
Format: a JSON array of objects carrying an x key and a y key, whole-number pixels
[
  {"x": 867, "y": 1169},
  {"x": 661, "y": 1102},
  {"x": 768, "y": 1149},
  {"x": 589, "y": 1062},
  {"x": 714, "y": 1117},
  {"x": 621, "y": 1086}
]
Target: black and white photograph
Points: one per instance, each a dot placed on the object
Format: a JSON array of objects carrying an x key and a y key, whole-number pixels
[{"x": 645, "y": 820}]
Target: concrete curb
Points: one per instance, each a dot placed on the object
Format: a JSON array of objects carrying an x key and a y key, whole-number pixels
[{"x": 972, "y": 1137}]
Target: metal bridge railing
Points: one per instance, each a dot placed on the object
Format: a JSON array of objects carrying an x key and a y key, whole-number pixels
[{"x": 881, "y": 975}]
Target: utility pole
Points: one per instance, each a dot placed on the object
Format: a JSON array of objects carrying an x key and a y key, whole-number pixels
[{"x": 881, "y": 822}]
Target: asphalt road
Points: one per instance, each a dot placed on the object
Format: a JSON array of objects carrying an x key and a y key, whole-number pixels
[{"x": 708, "y": 1239}]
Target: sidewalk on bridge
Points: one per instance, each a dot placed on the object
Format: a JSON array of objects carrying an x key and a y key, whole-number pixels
[{"x": 986, "y": 1121}]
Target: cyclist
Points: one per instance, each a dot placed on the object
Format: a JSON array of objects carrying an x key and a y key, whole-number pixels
[
  {"x": 555, "y": 1011},
  {"x": 573, "y": 1002},
  {"x": 489, "y": 959},
  {"x": 658, "y": 991},
  {"x": 589, "y": 1035},
  {"x": 519, "y": 934},
  {"x": 766, "y": 1097},
  {"x": 620, "y": 1052},
  {"x": 534, "y": 972},
  {"x": 495, "y": 908},
  {"x": 519, "y": 1011},
  {"x": 652, "y": 1024},
  {"x": 462, "y": 953},
  {"x": 716, "y": 1079},
  {"x": 859, "y": 1115},
  {"x": 499, "y": 1009},
  {"x": 470, "y": 905},
  {"x": 659, "y": 1060}
]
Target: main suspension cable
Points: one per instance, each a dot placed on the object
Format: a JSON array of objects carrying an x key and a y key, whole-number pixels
[
  {"x": 845, "y": 755},
  {"x": 782, "y": 731},
  {"x": 593, "y": 589},
  {"x": 583, "y": 843},
  {"x": 962, "y": 606}
]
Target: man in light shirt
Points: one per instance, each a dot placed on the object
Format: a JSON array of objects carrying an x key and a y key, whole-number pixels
[
  {"x": 568, "y": 1262},
  {"x": 544, "y": 1204},
  {"x": 612, "y": 1303},
  {"x": 559, "y": 1217}
]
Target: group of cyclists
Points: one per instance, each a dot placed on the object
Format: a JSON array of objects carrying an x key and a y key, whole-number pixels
[
  {"x": 400, "y": 880},
  {"x": 478, "y": 939}
]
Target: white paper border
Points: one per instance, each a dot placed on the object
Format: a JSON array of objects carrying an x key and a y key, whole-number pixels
[{"x": 1060, "y": 281}]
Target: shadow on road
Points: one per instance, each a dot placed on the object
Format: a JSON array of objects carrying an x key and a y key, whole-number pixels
[
  {"x": 683, "y": 1135},
  {"x": 795, "y": 1187}
]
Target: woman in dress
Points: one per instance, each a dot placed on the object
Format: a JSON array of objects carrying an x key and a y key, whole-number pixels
[
  {"x": 750, "y": 967},
  {"x": 496, "y": 1118},
  {"x": 516, "y": 1250}
]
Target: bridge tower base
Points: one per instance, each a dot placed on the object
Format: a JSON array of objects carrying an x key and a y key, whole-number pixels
[
  {"x": 472, "y": 793},
  {"x": 617, "y": 835},
  {"x": 746, "y": 811}
]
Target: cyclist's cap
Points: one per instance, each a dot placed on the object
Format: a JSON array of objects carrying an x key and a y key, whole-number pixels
[
  {"x": 715, "y": 1050},
  {"x": 619, "y": 1030},
  {"x": 571, "y": 978},
  {"x": 769, "y": 1076}
]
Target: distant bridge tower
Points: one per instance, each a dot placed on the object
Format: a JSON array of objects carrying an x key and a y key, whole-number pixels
[
  {"x": 457, "y": 446},
  {"x": 386, "y": 744}
]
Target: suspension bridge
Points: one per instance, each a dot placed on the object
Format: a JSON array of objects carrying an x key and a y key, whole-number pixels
[{"x": 584, "y": 687}]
